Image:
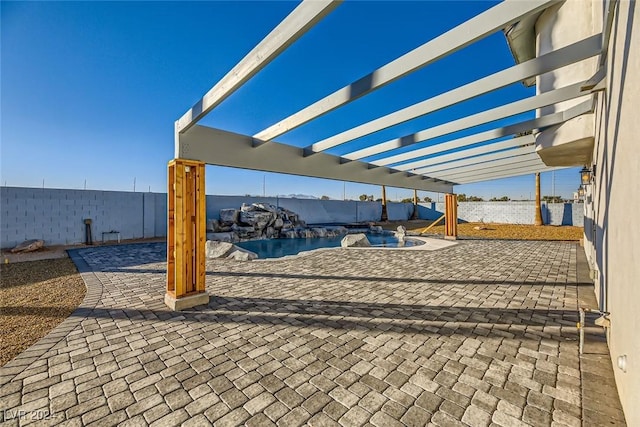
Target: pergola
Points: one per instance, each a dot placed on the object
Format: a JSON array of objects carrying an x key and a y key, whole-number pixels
[{"x": 438, "y": 167}]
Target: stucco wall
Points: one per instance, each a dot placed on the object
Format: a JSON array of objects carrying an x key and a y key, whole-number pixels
[{"x": 611, "y": 232}]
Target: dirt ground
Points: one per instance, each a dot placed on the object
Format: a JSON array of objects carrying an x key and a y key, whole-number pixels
[
  {"x": 495, "y": 231},
  {"x": 35, "y": 296}
]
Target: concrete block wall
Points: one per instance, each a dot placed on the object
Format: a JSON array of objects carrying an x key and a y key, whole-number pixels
[
  {"x": 312, "y": 211},
  {"x": 515, "y": 212},
  {"x": 57, "y": 215}
]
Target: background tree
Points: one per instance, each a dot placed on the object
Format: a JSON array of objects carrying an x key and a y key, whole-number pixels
[
  {"x": 324, "y": 198},
  {"x": 552, "y": 199},
  {"x": 427, "y": 199}
]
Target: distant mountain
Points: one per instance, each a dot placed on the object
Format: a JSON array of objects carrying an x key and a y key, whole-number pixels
[{"x": 297, "y": 196}]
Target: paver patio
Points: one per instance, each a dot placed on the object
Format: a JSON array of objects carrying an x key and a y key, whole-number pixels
[{"x": 476, "y": 334}]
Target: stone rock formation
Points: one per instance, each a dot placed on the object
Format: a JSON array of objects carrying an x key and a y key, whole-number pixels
[{"x": 263, "y": 221}]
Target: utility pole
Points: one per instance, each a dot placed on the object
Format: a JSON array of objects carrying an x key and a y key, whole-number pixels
[
  {"x": 264, "y": 186},
  {"x": 134, "y": 184},
  {"x": 344, "y": 190}
]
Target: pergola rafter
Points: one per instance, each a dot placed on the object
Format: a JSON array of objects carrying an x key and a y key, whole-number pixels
[
  {"x": 476, "y": 28},
  {"x": 498, "y": 113},
  {"x": 556, "y": 59},
  {"x": 506, "y": 157}
]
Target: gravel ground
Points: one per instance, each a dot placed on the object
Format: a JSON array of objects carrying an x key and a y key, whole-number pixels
[
  {"x": 494, "y": 231},
  {"x": 35, "y": 296},
  {"x": 514, "y": 231}
]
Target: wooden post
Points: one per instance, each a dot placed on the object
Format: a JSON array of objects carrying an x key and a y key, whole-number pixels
[
  {"x": 415, "y": 204},
  {"x": 384, "y": 216},
  {"x": 451, "y": 217},
  {"x": 186, "y": 237},
  {"x": 538, "y": 218}
]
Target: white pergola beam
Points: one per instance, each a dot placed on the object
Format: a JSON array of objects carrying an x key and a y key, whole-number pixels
[
  {"x": 476, "y": 28},
  {"x": 223, "y": 148},
  {"x": 488, "y": 160},
  {"x": 521, "y": 141},
  {"x": 551, "y": 61},
  {"x": 487, "y": 116},
  {"x": 524, "y": 126},
  {"x": 468, "y": 161},
  {"x": 515, "y": 165},
  {"x": 502, "y": 175},
  {"x": 299, "y": 21}
]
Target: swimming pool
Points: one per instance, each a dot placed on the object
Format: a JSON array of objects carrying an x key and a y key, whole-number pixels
[{"x": 276, "y": 248}]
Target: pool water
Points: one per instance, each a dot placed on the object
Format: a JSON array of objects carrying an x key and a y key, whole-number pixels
[{"x": 276, "y": 248}]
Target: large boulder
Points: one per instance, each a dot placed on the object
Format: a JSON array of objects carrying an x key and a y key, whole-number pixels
[
  {"x": 229, "y": 216},
  {"x": 355, "y": 240},
  {"x": 376, "y": 229},
  {"x": 320, "y": 231},
  {"x": 216, "y": 249},
  {"x": 28, "y": 246},
  {"x": 213, "y": 225},
  {"x": 289, "y": 234},
  {"x": 240, "y": 254},
  {"x": 271, "y": 233},
  {"x": 257, "y": 219},
  {"x": 243, "y": 232},
  {"x": 266, "y": 207}
]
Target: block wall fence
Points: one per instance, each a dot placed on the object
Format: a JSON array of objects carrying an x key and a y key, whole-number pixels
[{"x": 57, "y": 215}]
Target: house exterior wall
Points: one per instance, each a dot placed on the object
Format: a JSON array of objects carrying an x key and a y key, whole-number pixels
[{"x": 613, "y": 239}]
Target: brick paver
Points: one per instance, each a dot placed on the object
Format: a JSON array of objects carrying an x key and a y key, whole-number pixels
[{"x": 481, "y": 333}]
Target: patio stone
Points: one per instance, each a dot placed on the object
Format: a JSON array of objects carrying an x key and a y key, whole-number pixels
[{"x": 480, "y": 332}]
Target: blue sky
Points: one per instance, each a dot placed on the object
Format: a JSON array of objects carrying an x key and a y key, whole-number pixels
[{"x": 90, "y": 91}]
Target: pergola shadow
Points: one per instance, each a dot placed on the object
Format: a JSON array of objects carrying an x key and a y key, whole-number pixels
[{"x": 523, "y": 324}]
